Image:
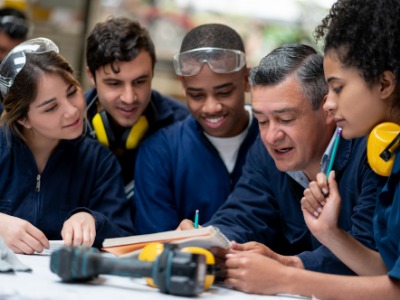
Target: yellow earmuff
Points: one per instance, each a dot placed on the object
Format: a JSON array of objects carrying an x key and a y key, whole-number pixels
[
  {"x": 382, "y": 145},
  {"x": 210, "y": 262},
  {"x": 130, "y": 139},
  {"x": 152, "y": 250},
  {"x": 99, "y": 127},
  {"x": 137, "y": 133}
]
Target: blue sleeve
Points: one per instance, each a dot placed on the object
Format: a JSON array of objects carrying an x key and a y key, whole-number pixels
[
  {"x": 248, "y": 214},
  {"x": 265, "y": 207},
  {"x": 107, "y": 202},
  {"x": 153, "y": 195}
]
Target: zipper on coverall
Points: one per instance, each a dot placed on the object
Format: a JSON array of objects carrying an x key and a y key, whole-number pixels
[{"x": 38, "y": 183}]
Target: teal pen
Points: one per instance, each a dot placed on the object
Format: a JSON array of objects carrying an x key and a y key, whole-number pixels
[
  {"x": 196, "y": 219},
  {"x": 334, "y": 150}
]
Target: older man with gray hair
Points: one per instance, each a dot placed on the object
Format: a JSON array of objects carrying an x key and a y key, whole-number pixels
[{"x": 288, "y": 90}]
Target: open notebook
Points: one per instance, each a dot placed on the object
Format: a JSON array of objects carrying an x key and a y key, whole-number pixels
[{"x": 206, "y": 237}]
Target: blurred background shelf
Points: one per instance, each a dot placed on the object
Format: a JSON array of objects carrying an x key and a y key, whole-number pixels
[{"x": 263, "y": 24}]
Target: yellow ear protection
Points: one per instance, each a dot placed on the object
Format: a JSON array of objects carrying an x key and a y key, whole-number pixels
[
  {"x": 130, "y": 138},
  {"x": 382, "y": 146},
  {"x": 152, "y": 250},
  {"x": 173, "y": 271}
]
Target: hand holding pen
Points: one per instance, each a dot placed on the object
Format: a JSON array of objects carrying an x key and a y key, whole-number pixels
[
  {"x": 316, "y": 195},
  {"x": 187, "y": 224},
  {"x": 321, "y": 212}
]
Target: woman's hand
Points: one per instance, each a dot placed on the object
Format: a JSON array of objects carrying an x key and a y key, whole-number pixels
[
  {"x": 21, "y": 236},
  {"x": 322, "y": 222},
  {"x": 79, "y": 230}
]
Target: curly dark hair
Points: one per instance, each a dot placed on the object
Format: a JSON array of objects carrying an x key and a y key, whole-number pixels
[
  {"x": 115, "y": 40},
  {"x": 365, "y": 34}
]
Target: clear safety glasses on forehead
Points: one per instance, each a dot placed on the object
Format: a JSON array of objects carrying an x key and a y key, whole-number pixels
[
  {"x": 219, "y": 60},
  {"x": 15, "y": 60}
]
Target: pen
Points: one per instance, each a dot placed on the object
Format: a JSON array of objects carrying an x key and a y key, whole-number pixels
[
  {"x": 334, "y": 150},
  {"x": 196, "y": 219}
]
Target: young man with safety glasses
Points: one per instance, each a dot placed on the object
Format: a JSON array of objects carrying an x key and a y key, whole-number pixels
[{"x": 195, "y": 164}]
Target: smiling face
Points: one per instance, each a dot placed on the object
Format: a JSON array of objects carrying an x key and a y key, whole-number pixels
[
  {"x": 216, "y": 101},
  {"x": 57, "y": 111},
  {"x": 295, "y": 135},
  {"x": 356, "y": 107},
  {"x": 125, "y": 95}
]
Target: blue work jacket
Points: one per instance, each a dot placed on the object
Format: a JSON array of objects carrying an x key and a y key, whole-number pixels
[
  {"x": 178, "y": 171},
  {"x": 80, "y": 175},
  {"x": 387, "y": 221},
  {"x": 161, "y": 111},
  {"x": 265, "y": 206}
]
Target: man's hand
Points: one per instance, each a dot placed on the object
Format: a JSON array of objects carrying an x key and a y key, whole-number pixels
[
  {"x": 186, "y": 224},
  {"x": 255, "y": 247},
  {"x": 254, "y": 273}
]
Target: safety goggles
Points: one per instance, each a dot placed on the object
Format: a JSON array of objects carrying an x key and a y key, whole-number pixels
[
  {"x": 219, "y": 60},
  {"x": 15, "y": 27},
  {"x": 15, "y": 60}
]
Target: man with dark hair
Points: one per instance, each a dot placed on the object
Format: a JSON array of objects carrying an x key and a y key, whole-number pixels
[
  {"x": 14, "y": 28},
  {"x": 195, "y": 164},
  {"x": 288, "y": 91},
  {"x": 122, "y": 109}
]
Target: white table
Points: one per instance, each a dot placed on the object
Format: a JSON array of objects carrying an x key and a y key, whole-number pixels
[{"x": 42, "y": 284}]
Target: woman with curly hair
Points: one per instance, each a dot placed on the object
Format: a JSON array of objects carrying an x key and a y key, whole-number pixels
[{"x": 362, "y": 68}]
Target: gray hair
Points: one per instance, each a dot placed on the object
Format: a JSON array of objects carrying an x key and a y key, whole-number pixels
[{"x": 304, "y": 60}]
